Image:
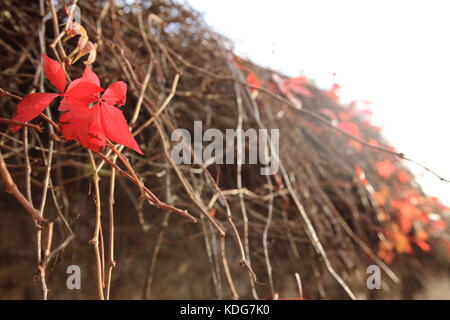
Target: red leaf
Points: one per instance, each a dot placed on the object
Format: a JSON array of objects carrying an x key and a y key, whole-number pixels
[
  {"x": 374, "y": 142},
  {"x": 333, "y": 92},
  {"x": 55, "y": 73},
  {"x": 91, "y": 126},
  {"x": 31, "y": 106},
  {"x": 96, "y": 129},
  {"x": 350, "y": 128},
  {"x": 402, "y": 176},
  {"x": 385, "y": 168},
  {"x": 355, "y": 145},
  {"x": 407, "y": 212},
  {"x": 90, "y": 75},
  {"x": 84, "y": 125},
  {"x": 402, "y": 244},
  {"x": 74, "y": 124},
  {"x": 116, "y": 127},
  {"x": 381, "y": 196},
  {"x": 345, "y": 116},
  {"x": 298, "y": 85},
  {"x": 80, "y": 93},
  {"x": 423, "y": 245},
  {"x": 253, "y": 80},
  {"x": 116, "y": 93}
]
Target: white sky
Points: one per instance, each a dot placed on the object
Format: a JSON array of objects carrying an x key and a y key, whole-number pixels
[{"x": 395, "y": 54}]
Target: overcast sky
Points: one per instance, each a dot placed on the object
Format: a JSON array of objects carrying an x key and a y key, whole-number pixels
[{"x": 392, "y": 53}]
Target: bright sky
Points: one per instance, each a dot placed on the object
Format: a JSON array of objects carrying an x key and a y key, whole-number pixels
[{"x": 395, "y": 54}]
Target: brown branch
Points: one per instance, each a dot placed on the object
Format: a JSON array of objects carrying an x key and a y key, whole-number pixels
[
  {"x": 36, "y": 127},
  {"x": 95, "y": 238},
  {"x": 147, "y": 193},
  {"x": 11, "y": 188},
  {"x": 111, "y": 262}
]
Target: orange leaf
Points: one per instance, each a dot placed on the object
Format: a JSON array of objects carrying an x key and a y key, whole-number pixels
[
  {"x": 333, "y": 92},
  {"x": 421, "y": 235},
  {"x": 385, "y": 251},
  {"x": 350, "y": 128},
  {"x": 385, "y": 168},
  {"x": 402, "y": 244},
  {"x": 380, "y": 196},
  {"x": 345, "y": 116},
  {"x": 423, "y": 245},
  {"x": 374, "y": 142},
  {"x": 407, "y": 212},
  {"x": 253, "y": 80},
  {"x": 402, "y": 176},
  {"x": 355, "y": 145}
]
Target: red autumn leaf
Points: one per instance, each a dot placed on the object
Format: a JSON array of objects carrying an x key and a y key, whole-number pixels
[
  {"x": 31, "y": 106},
  {"x": 385, "y": 168},
  {"x": 80, "y": 93},
  {"x": 74, "y": 124},
  {"x": 405, "y": 221},
  {"x": 402, "y": 243},
  {"x": 345, "y": 116},
  {"x": 290, "y": 86},
  {"x": 402, "y": 176},
  {"x": 423, "y": 245},
  {"x": 116, "y": 128},
  {"x": 90, "y": 75},
  {"x": 116, "y": 94},
  {"x": 298, "y": 85},
  {"x": 385, "y": 250},
  {"x": 253, "y": 80},
  {"x": 55, "y": 73},
  {"x": 407, "y": 213},
  {"x": 97, "y": 128},
  {"x": 104, "y": 119},
  {"x": 422, "y": 235},
  {"x": 423, "y": 218},
  {"x": 350, "y": 128},
  {"x": 355, "y": 145},
  {"x": 391, "y": 147},
  {"x": 374, "y": 142},
  {"x": 333, "y": 92},
  {"x": 238, "y": 62},
  {"x": 381, "y": 196}
]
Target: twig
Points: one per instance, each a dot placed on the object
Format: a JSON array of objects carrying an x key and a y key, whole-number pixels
[
  {"x": 11, "y": 188},
  {"x": 95, "y": 238},
  {"x": 38, "y": 128},
  {"x": 111, "y": 262}
]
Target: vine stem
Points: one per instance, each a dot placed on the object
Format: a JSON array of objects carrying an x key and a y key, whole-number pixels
[
  {"x": 111, "y": 262},
  {"x": 95, "y": 239}
]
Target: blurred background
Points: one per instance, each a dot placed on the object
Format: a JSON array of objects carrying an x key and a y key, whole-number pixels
[{"x": 394, "y": 54}]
